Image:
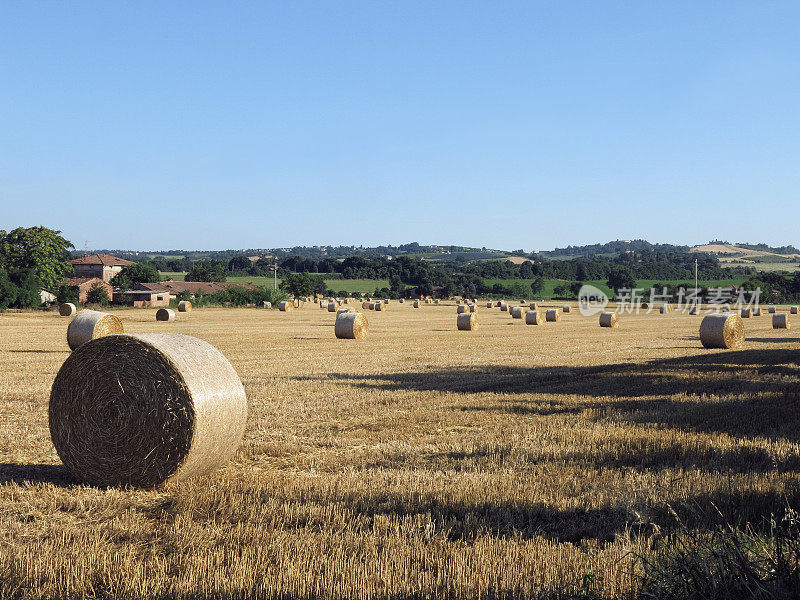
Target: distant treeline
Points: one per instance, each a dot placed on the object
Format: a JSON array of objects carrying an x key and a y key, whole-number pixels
[{"x": 618, "y": 246}]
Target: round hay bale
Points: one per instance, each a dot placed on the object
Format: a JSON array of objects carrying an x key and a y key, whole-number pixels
[
  {"x": 771, "y": 310},
  {"x": 779, "y": 321},
  {"x": 467, "y": 321},
  {"x": 372, "y": 305},
  {"x": 386, "y": 301},
  {"x": 184, "y": 306},
  {"x": 401, "y": 301},
  {"x": 285, "y": 306},
  {"x": 489, "y": 304},
  {"x": 757, "y": 311},
  {"x": 266, "y": 304},
  {"x": 67, "y": 309},
  {"x": 351, "y": 326},
  {"x": 323, "y": 304},
  {"x": 533, "y": 317},
  {"x": 462, "y": 308},
  {"x": 165, "y": 314},
  {"x": 472, "y": 307},
  {"x": 694, "y": 309},
  {"x": 416, "y": 304},
  {"x": 91, "y": 324},
  {"x": 436, "y": 301},
  {"x": 380, "y": 306},
  {"x": 793, "y": 310},
  {"x": 516, "y": 312},
  {"x": 552, "y": 315},
  {"x": 344, "y": 310},
  {"x": 365, "y": 305},
  {"x": 722, "y": 331},
  {"x": 566, "y": 308},
  {"x": 142, "y": 410},
  {"x": 533, "y": 306},
  {"x": 664, "y": 309},
  {"x": 331, "y": 306},
  {"x": 504, "y": 306},
  {"x": 745, "y": 314},
  {"x": 608, "y": 319}
]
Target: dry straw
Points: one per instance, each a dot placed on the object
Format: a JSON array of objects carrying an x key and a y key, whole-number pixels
[
  {"x": 771, "y": 310},
  {"x": 664, "y": 309},
  {"x": 566, "y": 308},
  {"x": 332, "y": 307},
  {"x": 504, "y": 306},
  {"x": 533, "y": 306},
  {"x": 90, "y": 324},
  {"x": 184, "y": 306},
  {"x": 165, "y": 314},
  {"x": 351, "y": 326},
  {"x": 380, "y": 306},
  {"x": 793, "y": 310},
  {"x": 285, "y": 306},
  {"x": 416, "y": 304},
  {"x": 608, "y": 319},
  {"x": 516, "y": 312},
  {"x": 722, "y": 331},
  {"x": 745, "y": 314},
  {"x": 489, "y": 304},
  {"x": 780, "y": 321},
  {"x": 467, "y": 321},
  {"x": 473, "y": 307},
  {"x": 533, "y": 317},
  {"x": 552, "y": 315},
  {"x": 142, "y": 410},
  {"x": 67, "y": 309},
  {"x": 462, "y": 308}
]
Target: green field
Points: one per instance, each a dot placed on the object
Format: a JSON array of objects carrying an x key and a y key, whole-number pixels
[
  {"x": 337, "y": 285},
  {"x": 766, "y": 267}
]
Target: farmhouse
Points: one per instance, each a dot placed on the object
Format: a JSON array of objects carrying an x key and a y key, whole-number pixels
[
  {"x": 102, "y": 266},
  {"x": 174, "y": 288},
  {"x": 83, "y": 285},
  {"x": 143, "y": 298}
]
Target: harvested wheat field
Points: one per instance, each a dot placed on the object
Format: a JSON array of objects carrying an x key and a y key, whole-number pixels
[{"x": 418, "y": 462}]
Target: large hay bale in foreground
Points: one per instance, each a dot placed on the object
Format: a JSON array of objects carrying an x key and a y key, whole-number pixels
[
  {"x": 67, "y": 309},
  {"x": 184, "y": 306},
  {"x": 467, "y": 321},
  {"x": 516, "y": 312},
  {"x": 780, "y": 321},
  {"x": 142, "y": 410},
  {"x": 608, "y": 319},
  {"x": 552, "y": 315},
  {"x": 722, "y": 331},
  {"x": 91, "y": 324},
  {"x": 351, "y": 326},
  {"x": 285, "y": 306},
  {"x": 462, "y": 308},
  {"x": 533, "y": 317},
  {"x": 165, "y": 314}
]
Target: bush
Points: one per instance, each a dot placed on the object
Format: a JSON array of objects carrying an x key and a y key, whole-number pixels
[{"x": 98, "y": 295}]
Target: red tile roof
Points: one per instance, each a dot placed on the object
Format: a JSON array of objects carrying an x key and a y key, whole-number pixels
[
  {"x": 102, "y": 259},
  {"x": 192, "y": 287},
  {"x": 78, "y": 281}
]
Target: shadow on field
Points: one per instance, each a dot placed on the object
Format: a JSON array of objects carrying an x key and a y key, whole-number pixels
[
  {"x": 22, "y": 474},
  {"x": 743, "y": 393},
  {"x": 40, "y": 351}
]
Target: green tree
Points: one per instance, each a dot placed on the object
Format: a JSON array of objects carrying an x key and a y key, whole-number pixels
[
  {"x": 8, "y": 290},
  {"x": 137, "y": 273},
  {"x": 39, "y": 249},
  {"x": 299, "y": 284},
  {"x": 28, "y": 288},
  {"x": 537, "y": 285},
  {"x": 621, "y": 278},
  {"x": 98, "y": 295},
  {"x": 239, "y": 263},
  {"x": 207, "y": 270}
]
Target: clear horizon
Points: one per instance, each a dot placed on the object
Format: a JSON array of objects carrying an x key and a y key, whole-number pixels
[{"x": 527, "y": 125}]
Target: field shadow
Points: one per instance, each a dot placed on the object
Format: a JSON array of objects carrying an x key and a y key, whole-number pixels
[
  {"x": 40, "y": 351},
  {"x": 774, "y": 340},
  {"x": 30, "y": 474}
]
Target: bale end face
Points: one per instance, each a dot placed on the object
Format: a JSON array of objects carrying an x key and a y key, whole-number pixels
[
  {"x": 722, "y": 331},
  {"x": 780, "y": 321},
  {"x": 184, "y": 306},
  {"x": 533, "y": 317},
  {"x": 462, "y": 308},
  {"x": 67, "y": 309},
  {"x": 516, "y": 312},
  {"x": 351, "y": 326},
  {"x": 608, "y": 319},
  {"x": 467, "y": 321},
  {"x": 165, "y": 314},
  {"x": 553, "y": 315},
  {"x": 91, "y": 324}
]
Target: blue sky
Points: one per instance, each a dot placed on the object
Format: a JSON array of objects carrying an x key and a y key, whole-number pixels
[{"x": 198, "y": 125}]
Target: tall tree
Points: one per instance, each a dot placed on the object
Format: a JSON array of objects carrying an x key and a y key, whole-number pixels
[{"x": 39, "y": 249}]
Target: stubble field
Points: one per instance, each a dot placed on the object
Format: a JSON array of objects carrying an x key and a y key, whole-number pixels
[{"x": 512, "y": 461}]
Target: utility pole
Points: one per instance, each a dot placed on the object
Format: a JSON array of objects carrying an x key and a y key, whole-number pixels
[
  {"x": 696, "y": 291},
  {"x": 275, "y": 270}
]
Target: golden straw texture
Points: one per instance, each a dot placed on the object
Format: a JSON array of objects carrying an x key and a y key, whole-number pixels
[
  {"x": 533, "y": 317},
  {"x": 722, "y": 331},
  {"x": 90, "y": 324},
  {"x": 351, "y": 326},
  {"x": 608, "y": 319},
  {"x": 552, "y": 315},
  {"x": 467, "y": 321},
  {"x": 67, "y": 309},
  {"x": 780, "y": 321},
  {"x": 165, "y": 314}
]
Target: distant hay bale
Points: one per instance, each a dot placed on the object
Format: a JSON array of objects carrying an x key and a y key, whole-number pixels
[
  {"x": 142, "y": 410},
  {"x": 467, "y": 321},
  {"x": 332, "y": 306},
  {"x": 780, "y": 321},
  {"x": 436, "y": 301},
  {"x": 67, "y": 309},
  {"x": 416, "y": 304},
  {"x": 566, "y": 308},
  {"x": 184, "y": 306},
  {"x": 165, "y": 314},
  {"x": 664, "y": 309},
  {"x": 351, "y": 325},
  {"x": 89, "y": 325},
  {"x": 462, "y": 308},
  {"x": 793, "y": 310},
  {"x": 266, "y": 304},
  {"x": 497, "y": 304},
  {"x": 323, "y": 304},
  {"x": 504, "y": 306},
  {"x": 722, "y": 331},
  {"x": 285, "y": 306},
  {"x": 757, "y": 311},
  {"x": 386, "y": 301},
  {"x": 516, "y": 312},
  {"x": 372, "y": 305},
  {"x": 608, "y": 319},
  {"x": 401, "y": 301},
  {"x": 380, "y": 306},
  {"x": 344, "y": 310},
  {"x": 552, "y": 315},
  {"x": 771, "y": 310},
  {"x": 745, "y": 314},
  {"x": 533, "y": 317},
  {"x": 473, "y": 307},
  {"x": 726, "y": 308},
  {"x": 296, "y": 303},
  {"x": 694, "y": 309},
  {"x": 365, "y": 305},
  {"x": 489, "y": 304},
  {"x": 533, "y": 306}
]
